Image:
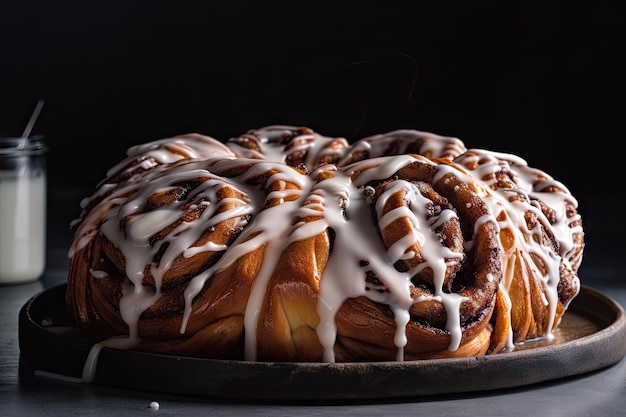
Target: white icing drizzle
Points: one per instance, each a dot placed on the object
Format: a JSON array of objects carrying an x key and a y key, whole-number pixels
[
  {"x": 89, "y": 368},
  {"x": 529, "y": 183},
  {"x": 434, "y": 254},
  {"x": 339, "y": 196},
  {"x": 400, "y": 141},
  {"x": 352, "y": 240}
]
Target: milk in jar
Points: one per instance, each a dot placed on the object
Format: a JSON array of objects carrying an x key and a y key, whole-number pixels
[{"x": 22, "y": 209}]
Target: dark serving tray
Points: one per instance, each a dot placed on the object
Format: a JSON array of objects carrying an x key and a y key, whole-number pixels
[{"x": 591, "y": 336}]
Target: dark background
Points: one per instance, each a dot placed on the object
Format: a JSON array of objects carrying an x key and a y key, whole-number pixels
[{"x": 541, "y": 79}]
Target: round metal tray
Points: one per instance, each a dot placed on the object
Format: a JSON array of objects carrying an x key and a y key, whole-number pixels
[{"x": 591, "y": 336}]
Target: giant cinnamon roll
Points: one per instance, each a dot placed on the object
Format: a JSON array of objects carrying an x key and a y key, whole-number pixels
[{"x": 286, "y": 245}]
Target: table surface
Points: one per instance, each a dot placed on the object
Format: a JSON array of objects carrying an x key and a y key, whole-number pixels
[{"x": 599, "y": 393}]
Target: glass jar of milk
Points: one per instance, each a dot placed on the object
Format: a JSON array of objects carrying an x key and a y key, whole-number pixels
[{"x": 22, "y": 209}]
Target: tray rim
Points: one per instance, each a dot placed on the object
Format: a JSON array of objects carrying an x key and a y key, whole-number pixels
[{"x": 339, "y": 381}]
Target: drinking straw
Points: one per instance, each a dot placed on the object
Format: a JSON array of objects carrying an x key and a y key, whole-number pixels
[{"x": 33, "y": 119}]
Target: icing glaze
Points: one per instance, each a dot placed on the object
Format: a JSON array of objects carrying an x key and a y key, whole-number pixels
[{"x": 282, "y": 184}]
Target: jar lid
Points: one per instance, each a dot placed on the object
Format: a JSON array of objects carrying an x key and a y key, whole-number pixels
[{"x": 17, "y": 146}]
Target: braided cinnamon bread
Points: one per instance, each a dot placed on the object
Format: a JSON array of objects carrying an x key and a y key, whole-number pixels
[{"x": 285, "y": 245}]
